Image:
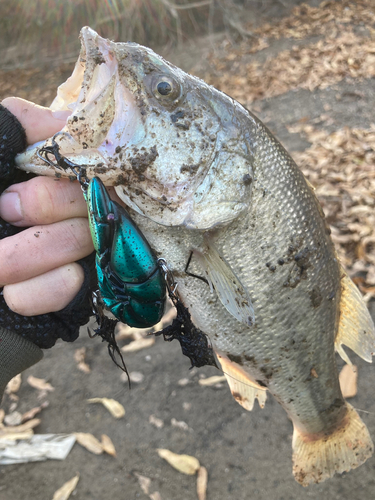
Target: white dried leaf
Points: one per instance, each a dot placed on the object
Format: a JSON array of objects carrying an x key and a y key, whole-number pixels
[
  {"x": 108, "y": 446},
  {"x": 157, "y": 422},
  {"x": 66, "y": 489},
  {"x": 89, "y": 442},
  {"x": 144, "y": 483},
  {"x": 348, "y": 381},
  {"x": 183, "y": 463},
  {"x": 216, "y": 379},
  {"x": 14, "y": 384},
  {"x": 39, "y": 383},
  {"x": 136, "y": 377},
  {"x": 28, "y": 415},
  {"x": 155, "y": 496},
  {"x": 30, "y": 424},
  {"x": 180, "y": 424},
  {"x": 14, "y": 418},
  {"x": 16, "y": 436},
  {"x": 137, "y": 345},
  {"x": 114, "y": 407},
  {"x": 79, "y": 356},
  {"x": 202, "y": 479},
  {"x": 183, "y": 382}
]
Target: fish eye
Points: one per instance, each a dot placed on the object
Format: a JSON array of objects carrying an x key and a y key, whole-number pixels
[{"x": 166, "y": 88}]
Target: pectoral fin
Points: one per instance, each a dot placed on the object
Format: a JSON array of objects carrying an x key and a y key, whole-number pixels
[
  {"x": 356, "y": 328},
  {"x": 243, "y": 388},
  {"x": 229, "y": 288}
]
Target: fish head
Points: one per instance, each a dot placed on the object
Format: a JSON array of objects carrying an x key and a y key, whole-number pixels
[{"x": 168, "y": 141}]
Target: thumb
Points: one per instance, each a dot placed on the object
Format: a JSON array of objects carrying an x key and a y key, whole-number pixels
[{"x": 39, "y": 122}]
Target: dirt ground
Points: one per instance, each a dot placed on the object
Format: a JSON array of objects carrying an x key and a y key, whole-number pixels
[{"x": 247, "y": 455}]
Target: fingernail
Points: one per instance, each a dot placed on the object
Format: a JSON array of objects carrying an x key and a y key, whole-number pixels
[
  {"x": 10, "y": 207},
  {"x": 61, "y": 115}
]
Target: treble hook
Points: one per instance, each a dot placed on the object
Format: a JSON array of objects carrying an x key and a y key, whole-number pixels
[{"x": 62, "y": 163}]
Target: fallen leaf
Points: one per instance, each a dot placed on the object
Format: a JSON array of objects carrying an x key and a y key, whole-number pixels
[
  {"x": 14, "y": 384},
  {"x": 79, "y": 356},
  {"x": 108, "y": 446},
  {"x": 30, "y": 424},
  {"x": 180, "y": 424},
  {"x": 183, "y": 463},
  {"x": 15, "y": 436},
  {"x": 89, "y": 442},
  {"x": 39, "y": 383},
  {"x": 348, "y": 381},
  {"x": 66, "y": 489},
  {"x": 157, "y": 422},
  {"x": 202, "y": 483},
  {"x": 216, "y": 379},
  {"x": 139, "y": 344},
  {"x": 14, "y": 418},
  {"x": 155, "y": 496},
  {"x": 34, "y": 411},
  {"x": 114, "y": 407},
  {"x": 144, "y": 483}
]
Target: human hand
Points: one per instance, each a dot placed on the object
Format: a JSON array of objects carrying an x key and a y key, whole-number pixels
[{"x": 37, "y": 266}]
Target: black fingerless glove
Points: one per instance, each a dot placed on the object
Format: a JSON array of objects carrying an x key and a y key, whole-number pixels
[{"x": 43, "y": 329}]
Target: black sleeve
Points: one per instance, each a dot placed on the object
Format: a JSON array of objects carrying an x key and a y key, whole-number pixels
[{"x": 44, "y": 329}]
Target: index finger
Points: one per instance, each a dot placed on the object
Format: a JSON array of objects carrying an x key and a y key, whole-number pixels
[
  {"x": 38, "y": 122},
  {"x": 42, "y": 200}
]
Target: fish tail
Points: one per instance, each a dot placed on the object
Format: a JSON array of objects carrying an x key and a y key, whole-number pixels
[{"x": 347, "y": 447}]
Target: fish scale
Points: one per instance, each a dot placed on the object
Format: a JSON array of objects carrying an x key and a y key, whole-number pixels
[{"x": 202, "y": 176}]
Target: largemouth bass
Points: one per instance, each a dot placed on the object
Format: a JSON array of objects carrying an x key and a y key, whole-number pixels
[{"x": 205, "y": 179}]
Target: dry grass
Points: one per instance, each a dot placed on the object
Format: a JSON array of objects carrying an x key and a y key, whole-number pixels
[{"x": 44, "y": 30}]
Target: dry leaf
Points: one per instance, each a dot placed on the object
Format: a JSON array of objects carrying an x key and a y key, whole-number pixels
[
  {"x": 136, "y": 345},
  {"x": 2, "y": 415},
  {"x": 89, "y": 442},
  {"x": 180, "y": 424},
  {"x": 108, "y": 446},
  {"x": 14, "y": 418},
  {"x": 155, "y": 496},
  {"x": 66, "y": 489},
  {"x": 216, "y": 379},
  {"x": 14, "y": 384},
  {"x": 348, "y": 381},
  {"x": 30, "y": 424},
  {"x": 157, "y": 422},
  {"x": 144, "y": 483},
  {"x": 183, "y": 463},
  {"x": 34, "y": 411},
  {"x": 114, "y": 407},
  {"x": 39, "y": 383},
  {"x": 79, "y": 356},
  {"x": 202, "y": 483},
  {"x": 16, "y": 436}
]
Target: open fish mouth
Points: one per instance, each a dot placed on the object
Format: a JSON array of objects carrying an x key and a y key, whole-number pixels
[
  {"x": 103, "y": 112},
  {"x": 167, "y": 141}
]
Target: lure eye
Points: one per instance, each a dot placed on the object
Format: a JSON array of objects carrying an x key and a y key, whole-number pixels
[{"x": 165, "y": 88}]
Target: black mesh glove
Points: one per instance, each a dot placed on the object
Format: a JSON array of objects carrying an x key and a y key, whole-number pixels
[{"x": 44, "y": 329}]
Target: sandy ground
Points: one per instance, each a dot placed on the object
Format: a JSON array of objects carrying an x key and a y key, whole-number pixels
[{"x": 247, "y": 455}]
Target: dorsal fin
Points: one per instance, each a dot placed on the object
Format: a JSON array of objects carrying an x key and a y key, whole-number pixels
[
  {"x": 356, "y": 328},
  {"x": 243, "y": 388}
]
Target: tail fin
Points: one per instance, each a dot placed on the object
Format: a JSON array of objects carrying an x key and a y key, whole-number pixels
[{"x": 346, "y": 448}]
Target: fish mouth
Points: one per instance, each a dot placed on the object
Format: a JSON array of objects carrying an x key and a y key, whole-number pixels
[{"x": 103, "y": 116}]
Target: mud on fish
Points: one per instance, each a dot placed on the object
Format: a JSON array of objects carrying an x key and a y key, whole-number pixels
[{"x": 200, "y": 174}]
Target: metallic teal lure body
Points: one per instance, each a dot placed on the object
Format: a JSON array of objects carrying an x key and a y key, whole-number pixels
[{"x": 131, "y": 282}]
